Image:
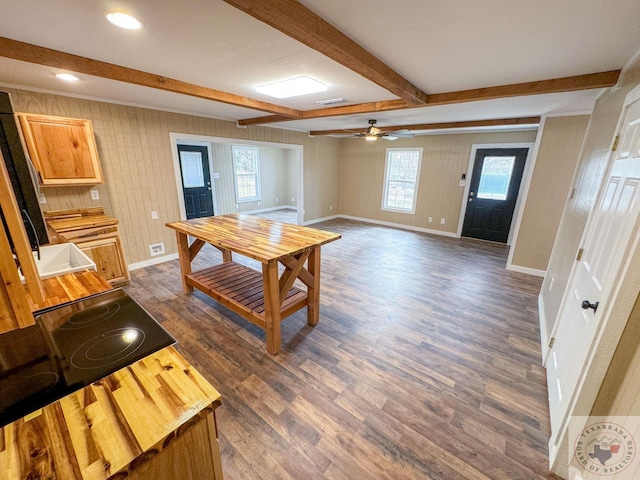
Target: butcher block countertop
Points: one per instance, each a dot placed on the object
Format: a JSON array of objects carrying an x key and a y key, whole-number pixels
[
  {"x": 111, "y": 426},
  {"x": 69, "y": 220},
  {"x": 70, "y": 287}
]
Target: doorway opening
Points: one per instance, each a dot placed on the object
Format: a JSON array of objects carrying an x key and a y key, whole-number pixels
[
  {"x": 492, "y": 196},
  {"x": 279, "y": 174},
  {"x": 195, "y": 173}
]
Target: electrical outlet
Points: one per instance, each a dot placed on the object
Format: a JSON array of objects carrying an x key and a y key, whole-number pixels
[
  {"x": 430, "y": 220},
  {"x": 156, "y": 249},
  {"x": 95, "y": 195},
  {"x": 330, "y": 208},
  {"x": 293, "y": 199},
  {"x": 442, "y": 221},
  {"x": 277, "y": 199},
  {"x": 154, "y": 215}
]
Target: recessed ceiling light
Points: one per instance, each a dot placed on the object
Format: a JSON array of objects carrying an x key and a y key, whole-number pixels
[
  {"x": 67, "y": 77},
  {"x": 292, "y": 87},
  {"x": 124, "y": 20}
]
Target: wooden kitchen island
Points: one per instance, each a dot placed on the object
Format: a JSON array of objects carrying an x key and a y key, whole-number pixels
[
  {"x": 154, "y": 419},
  {"x": 264, "y": 298}
]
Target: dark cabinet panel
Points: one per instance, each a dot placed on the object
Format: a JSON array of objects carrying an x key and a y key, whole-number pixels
[{"x": 18, "y": 168}]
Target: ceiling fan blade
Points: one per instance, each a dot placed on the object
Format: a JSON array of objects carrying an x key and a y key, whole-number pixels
[
  {"x": 404, "y": 133},
  {"x": 389, "y": 137}
]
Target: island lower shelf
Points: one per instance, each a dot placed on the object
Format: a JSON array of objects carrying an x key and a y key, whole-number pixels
[{"x": 240, "y": 289}]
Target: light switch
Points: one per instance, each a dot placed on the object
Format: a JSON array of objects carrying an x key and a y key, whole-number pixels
[
  {"x": 95, "y": 195},
  {"x": 154, "y": 215}
]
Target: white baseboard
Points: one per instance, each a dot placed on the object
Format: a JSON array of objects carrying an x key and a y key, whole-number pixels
[
  {"x": 401, "y": 226},
  {"x": 527, "y": 270},
  {"x": 271, "y": 209},
  {"x": 544, "y": 341},
  {"x": 323, "y": 219},
  {"x": 153, "y": 261}
]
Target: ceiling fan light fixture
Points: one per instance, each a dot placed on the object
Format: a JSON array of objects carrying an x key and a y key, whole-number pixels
[
  {"x": 124, "y": 20},
  {"x": 371, "y": 137},
  {"x": 292, "y": 87}
]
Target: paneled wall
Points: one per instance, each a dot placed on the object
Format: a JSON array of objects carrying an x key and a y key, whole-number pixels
[
  {"x": 586, "y": 181},
  {"x": 555, "y": 165},
  {"x": 275, "y": 166},
  {"x": 445, "y": 158},
  {"x": 135, "y": 153}
]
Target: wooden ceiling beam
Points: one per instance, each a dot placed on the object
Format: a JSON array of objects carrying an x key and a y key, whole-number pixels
[
  {"x": 438, "y": 126},
  {"x": 27, "y": 52},
  {"x": 371, "y": 107},
  {"x": 300, "y": 23},
  {"x": 540, "y": 87},
  {"x": 554, "y": 85}
]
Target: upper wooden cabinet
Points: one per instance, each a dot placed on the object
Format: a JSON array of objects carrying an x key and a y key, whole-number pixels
[{"x": 63, "y": 150}]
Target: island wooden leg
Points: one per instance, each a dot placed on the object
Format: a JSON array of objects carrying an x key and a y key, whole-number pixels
[
  {"x": 271, "y": 306},
  {"x": 313, "y": 290},
  {"x": 185, "y": 261}
]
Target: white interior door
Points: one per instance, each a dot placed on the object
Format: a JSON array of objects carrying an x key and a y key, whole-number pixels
[{"x": 611, "y": 227}]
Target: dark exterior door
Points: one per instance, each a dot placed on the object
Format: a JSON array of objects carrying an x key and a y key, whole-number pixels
[
  {"x": 196, "y": 181},
  {"x": 493, "y": 191}
]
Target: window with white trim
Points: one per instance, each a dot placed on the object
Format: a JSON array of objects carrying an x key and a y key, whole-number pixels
[
  {"x": 401, "y": 175},
  {"x": 246, "y": 172}
]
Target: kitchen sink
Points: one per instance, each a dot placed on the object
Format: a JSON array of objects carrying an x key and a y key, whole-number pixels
[{"x": 60, "y": 259}]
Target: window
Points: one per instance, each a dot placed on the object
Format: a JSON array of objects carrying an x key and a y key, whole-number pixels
[
  {"x": 246, "y": 170},
  {"x": 495, "y": 177},
  {"x": 402, "y": 172}
]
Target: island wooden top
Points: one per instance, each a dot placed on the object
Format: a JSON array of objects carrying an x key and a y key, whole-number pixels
[
  {"x": 105, "y": 428},
  {"x": 258, "y": 238}
]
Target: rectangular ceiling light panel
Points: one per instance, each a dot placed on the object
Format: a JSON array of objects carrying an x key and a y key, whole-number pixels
[{"x": 292, "y": 87}]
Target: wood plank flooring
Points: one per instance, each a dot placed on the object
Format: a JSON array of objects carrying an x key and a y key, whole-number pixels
[{"x": 425, "y": 364}]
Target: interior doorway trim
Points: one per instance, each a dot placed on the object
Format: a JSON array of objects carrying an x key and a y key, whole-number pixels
[
  {"x": 178, "y": 174},
  {"x": 526, "y": 179},
  {"x": 191, "y": 139}
]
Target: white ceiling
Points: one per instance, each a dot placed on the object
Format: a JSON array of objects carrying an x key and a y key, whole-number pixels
[{"x": 438, "y": 46}]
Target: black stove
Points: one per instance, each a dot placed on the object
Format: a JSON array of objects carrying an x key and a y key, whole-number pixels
[{"x": 72, "y": 346}]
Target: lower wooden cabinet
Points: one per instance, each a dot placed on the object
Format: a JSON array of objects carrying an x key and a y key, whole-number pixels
[
  {"x": 96, "y": 234},
  {"x": 194, "y": 455},
  {"x": 106, "y": 253}
]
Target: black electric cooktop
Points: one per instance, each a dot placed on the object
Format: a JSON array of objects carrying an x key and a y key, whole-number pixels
[{"x": 72, "y": 346}]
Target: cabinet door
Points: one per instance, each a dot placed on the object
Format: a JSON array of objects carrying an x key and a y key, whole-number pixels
[
  {"x": 195, "y": 455},
  {"x": 107, "y": 255},
  {"x": 63, "y": 150}
]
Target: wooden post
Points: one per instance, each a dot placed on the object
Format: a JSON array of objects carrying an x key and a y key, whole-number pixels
[
  {"x": 185, "y": 261},
  {"x": 271, "y": 306},
  {"x": 313, "y": 290}
]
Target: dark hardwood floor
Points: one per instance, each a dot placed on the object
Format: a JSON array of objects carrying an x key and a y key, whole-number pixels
[{"x": 425, "y": 364}]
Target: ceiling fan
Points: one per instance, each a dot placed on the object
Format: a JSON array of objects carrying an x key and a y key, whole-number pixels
[{"x": 373, "y": 133}]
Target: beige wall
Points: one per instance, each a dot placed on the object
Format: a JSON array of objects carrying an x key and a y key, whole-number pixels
[
  {"x": 135, "y": 153},
  {"x": 274, "y": 176},
  {"x": 586, "y": 181},
  {"x": 619, "y": 392},
  {"x": 292, "y": 182},
  {"x": 445, "y": 158},
  {"x": 558, "y": 151}
]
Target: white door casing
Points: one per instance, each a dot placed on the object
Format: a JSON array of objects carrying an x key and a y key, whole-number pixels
[{"x": 611, "y": 230}]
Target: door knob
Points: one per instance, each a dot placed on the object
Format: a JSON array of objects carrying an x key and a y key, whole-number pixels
[{"x": 586, "y": 305}]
